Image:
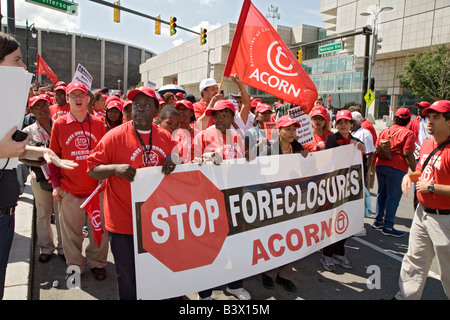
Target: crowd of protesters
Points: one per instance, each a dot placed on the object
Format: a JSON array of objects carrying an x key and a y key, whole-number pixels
[{"x": 105, "y": 138}]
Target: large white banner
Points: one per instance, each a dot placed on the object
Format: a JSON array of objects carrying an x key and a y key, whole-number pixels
[{"x": 205, "y": 226}]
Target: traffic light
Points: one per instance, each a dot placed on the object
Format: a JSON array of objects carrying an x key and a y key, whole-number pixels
[
  {"x": 300, "y": 56},
  {"x": 117, "y": 12},
  {"x": 173, "y": 26},
  {"x": 372, "y": 84},
  {"x": 158, "y": 25},
  {"x": 378, "y": 41},
  {"x": 376, "y": 46},
  {"x": 203, "y": 36}
]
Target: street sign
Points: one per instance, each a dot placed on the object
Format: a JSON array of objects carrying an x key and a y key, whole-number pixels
[
  {"x": 68, "y": 7},
  {"x": 330, "y": 47},
  {"x": 369, "y": 97}
]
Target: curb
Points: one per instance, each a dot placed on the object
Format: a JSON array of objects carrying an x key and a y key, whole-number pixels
[{"x": 20, "y": 264}]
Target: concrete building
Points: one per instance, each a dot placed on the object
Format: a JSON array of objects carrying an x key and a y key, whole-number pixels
[
  {"x": 411, "y": 27},
  {"x": 106, "y": 60}
]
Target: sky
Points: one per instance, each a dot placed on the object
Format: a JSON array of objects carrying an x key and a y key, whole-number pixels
[{"x": 94, "y": 19}]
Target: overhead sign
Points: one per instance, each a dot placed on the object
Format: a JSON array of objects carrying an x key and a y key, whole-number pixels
[
  {"x": 68, "y": 7},
  {"x": 369, "y": 97},
  {"x": 330, "y": 47},
  {"x": 204, "y": 226}
]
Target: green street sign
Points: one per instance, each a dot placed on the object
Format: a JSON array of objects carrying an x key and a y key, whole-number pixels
[
  {"x": 330, "y": 47},
  {"x": 68, "y": 7}
]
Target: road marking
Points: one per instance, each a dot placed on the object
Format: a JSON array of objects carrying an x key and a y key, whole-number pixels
[{"x": 390, "y": 254}]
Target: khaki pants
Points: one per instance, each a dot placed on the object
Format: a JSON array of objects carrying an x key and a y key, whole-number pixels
[
  {"x": 45, "y": 205},
  {"x": 429, "y": 237},
  {"x": 72, "y": 221}
]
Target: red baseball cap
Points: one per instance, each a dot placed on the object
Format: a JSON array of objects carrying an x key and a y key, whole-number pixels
[
  {"x": 112, "y": 98},
  {"x": 263, "y": 107},
  {"x": 32, "y": 101},
  {"x": 76, "y": 86},
  {"x": 60, "y": 87},
  {"x": 115, "y": 104},
  {"x": 185, "y": 103},
  {"x": 221, "y": 105},
  {"x": 423, "y": 104},
  {"x": 344, "y": 114},
  {"x": 254, "y": 102},
  {"x": 403, "y": 113},
  {"x": 179, "y": 95},
  {"x": 440, "y": 106},
  {"x": 320, "y": 111},
  {"x": 127, "y": 103},
  {"x": 149, "y": 92},
  {"x": 286, "y": 121}
]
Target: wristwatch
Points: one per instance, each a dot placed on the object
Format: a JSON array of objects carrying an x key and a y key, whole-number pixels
[{"x": 431, "y": 188}]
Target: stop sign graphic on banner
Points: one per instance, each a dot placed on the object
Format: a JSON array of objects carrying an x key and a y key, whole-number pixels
[{"x": 183, "y": 233}]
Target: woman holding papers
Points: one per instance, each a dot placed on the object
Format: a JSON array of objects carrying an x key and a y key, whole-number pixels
[{"x": 10, "y": 56}]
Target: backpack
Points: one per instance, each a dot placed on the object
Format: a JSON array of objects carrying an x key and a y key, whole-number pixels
[{"x": 384, "y": 146}]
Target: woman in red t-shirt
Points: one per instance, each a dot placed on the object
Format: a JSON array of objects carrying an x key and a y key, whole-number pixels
[
  {"x": 321, "y": 129},
  {"x": 335, "y": 252},
  {"x": 390, "y": 172}
]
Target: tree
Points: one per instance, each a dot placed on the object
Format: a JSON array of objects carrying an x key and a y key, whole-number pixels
[{"x": 428, "y": 74}]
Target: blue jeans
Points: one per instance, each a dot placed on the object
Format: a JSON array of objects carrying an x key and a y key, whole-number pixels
[{"x": 389, "y": 194}]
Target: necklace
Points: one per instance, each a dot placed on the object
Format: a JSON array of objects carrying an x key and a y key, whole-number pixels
[
  {"x": 144, "y": 148},
  {"x": 289, "y": 149}
]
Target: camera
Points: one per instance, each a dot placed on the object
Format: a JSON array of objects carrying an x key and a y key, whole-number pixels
[{"x": 19, "y": 136}]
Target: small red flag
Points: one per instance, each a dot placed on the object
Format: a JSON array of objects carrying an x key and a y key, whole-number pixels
[
  {"x": 93, "y": 210},
  {"x": 263, "y": 61},
  {"x": 43, "y": 69}
]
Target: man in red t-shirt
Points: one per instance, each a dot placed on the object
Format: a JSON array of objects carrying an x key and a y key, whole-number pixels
[
  {"x": 61, "y": 107},
  {"x": 430, "y": 232},
  {"x": 136, "y": 144},
  {"x": 73, "y": 137},
  {"x": 208, "y": 89}
]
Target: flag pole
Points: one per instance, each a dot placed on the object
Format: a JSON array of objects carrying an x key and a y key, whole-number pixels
[{"x": 92, "y": 195}]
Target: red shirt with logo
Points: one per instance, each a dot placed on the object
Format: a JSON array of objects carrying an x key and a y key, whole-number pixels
[
  {"x": 122, "y": 146},
  {"x": 73, "y": 140},
  {"x": 319, "y": 142},
  {"x": 58, "y": 111},
  {"x": 402, "y": 141},
  {"x": 437, "y": 171},
  {"x": 212, "y": 140}
]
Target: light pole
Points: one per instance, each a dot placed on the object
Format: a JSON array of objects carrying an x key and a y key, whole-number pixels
[
  {"x": 273, "y": 14},
  {"x": 33, "y": 31},
  {"x": 375, "y": 40}
]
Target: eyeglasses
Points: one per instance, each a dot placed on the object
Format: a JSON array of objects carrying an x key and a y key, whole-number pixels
[{"x": 77, "y": 96}]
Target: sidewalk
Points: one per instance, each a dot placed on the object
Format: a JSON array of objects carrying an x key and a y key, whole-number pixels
[{"x": 19, "y": 270}]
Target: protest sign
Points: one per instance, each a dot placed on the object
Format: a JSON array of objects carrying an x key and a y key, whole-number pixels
[
  {"x": 82, "y": 75},
  {"x": 305, "y": 132},
  {"x": 231, "y": 222}
]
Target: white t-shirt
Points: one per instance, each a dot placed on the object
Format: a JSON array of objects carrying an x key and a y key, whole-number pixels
[
  {"x": 366, "y": 137},
  {"x": 244, "y": 126}
]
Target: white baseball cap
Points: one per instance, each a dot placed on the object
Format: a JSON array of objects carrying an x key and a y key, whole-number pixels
[{"x": 208, "y": 82}]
